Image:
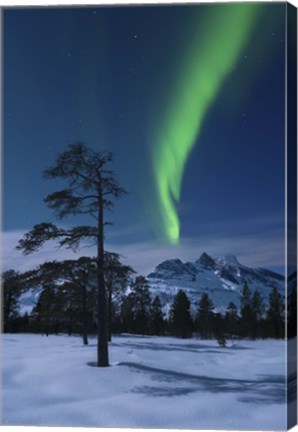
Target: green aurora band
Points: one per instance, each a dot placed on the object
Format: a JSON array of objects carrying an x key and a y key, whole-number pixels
[{"x": 214, "y": 50}]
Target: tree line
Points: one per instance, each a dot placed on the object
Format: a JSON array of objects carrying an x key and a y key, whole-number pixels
[
  {"x": 253, "y": 319},
  {"x": 67, "y": 304}
]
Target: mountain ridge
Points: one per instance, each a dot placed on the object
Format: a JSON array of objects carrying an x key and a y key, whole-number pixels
[{"x": 222, "y": 278}]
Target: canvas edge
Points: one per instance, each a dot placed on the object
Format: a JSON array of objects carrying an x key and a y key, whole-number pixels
[{"x": 291, "y": 204}]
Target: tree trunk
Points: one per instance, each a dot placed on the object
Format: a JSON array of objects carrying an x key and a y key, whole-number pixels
[
  {"x": 84, "y": 318},
  {"x": 102, "y": 334}
]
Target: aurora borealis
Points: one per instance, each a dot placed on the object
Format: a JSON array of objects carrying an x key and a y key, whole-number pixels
[
  {"x": 188, "y": 98},
  {"x": 210, "y": 57}
]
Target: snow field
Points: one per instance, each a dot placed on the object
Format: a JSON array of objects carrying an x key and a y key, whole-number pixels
[{"x": 152, "y": 383}]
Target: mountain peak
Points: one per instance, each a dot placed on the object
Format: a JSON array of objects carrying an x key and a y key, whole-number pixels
[
  {"x": 229, "y": 260},
  {"x": 206, "y": 261},
  {"x": 169, "y": 268},
  {"x": 171, "y": 262}
]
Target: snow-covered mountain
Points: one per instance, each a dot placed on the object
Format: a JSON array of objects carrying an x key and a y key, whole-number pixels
[{"x": 222, "y": 278}]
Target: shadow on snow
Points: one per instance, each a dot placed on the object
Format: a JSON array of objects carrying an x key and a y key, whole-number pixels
[
  {"x": 267, "y": 389},
  {"x": 194, "y": 348}
]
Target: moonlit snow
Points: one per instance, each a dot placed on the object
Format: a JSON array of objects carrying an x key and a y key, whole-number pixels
[{"x": 152, "y": 382}]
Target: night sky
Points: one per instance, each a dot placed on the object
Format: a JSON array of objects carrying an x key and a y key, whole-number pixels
[{"x": 190, "y": 100}]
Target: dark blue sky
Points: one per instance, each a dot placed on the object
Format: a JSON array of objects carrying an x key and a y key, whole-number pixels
[{"x": 103, "y": 75}]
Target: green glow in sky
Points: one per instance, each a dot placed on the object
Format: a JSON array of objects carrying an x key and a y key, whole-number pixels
[{"x": 213, "y": 52}]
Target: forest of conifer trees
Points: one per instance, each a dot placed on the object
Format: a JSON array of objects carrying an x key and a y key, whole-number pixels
[{"x": 67, "y": 304}]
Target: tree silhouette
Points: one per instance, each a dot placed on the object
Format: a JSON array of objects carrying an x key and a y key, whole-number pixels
[
  {"x": 246, "y": 312},
  {"x": 117, "y": 277},
  {"x": 76, "y": 276},
  {"x": 11, "y": 289},
  {"x": 232, "y": 319},
  {"x": 205, "y": 316},
  {"x": 180, "y": 319},
  {"x": 256, "y": 309},
  {"x": 157, "y": 323},
  {"x": 91, "y": 187},
  {"x": 275, "y": 314}
]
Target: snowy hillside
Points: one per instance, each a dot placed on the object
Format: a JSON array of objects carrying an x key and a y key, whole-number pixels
[{"x": 222, "y": 278}]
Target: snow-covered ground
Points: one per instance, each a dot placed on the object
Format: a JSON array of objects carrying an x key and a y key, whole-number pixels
[{"x": 152, "y": 382}]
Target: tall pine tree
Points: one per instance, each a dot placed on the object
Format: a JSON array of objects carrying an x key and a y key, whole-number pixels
[
  {"x": 157, "y": 323},
  {"x": 275, "y": 315},
  {"x": 246, "y": 312},
  {"x": 205, "y": 317},
  {"x": 135, "y": 309},
  {"x": 256, "y": 309},
  {"x": 180, "y": 318},
  {"x": 90, "y": 190},
  {"x": 232, "y": 320}
]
